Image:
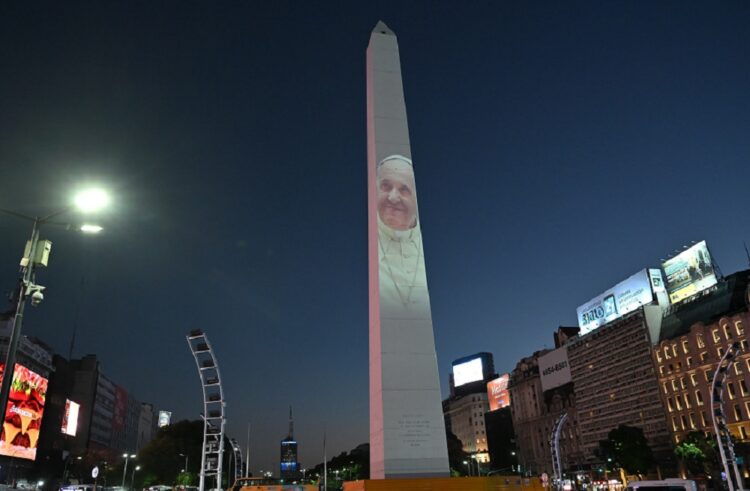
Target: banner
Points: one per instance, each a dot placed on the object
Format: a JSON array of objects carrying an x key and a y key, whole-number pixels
[
  {"x": 689, "y": 272},
  {"x": 554, "y": 368},
  {"x": 70, "y": 418},
  {"x": 498, "y": 393},
  {"x": 23, "y": 416}
]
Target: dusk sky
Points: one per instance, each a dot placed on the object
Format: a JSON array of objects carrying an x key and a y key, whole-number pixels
[{"x": 559, "y": 147}]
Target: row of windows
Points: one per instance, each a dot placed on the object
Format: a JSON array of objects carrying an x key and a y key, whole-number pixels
[
  {"x": 668, "y": 368},
  {"x": 680, "y": 383},
  {"x": 689, "y": 422},
  {"x": 670, "y": 351}
]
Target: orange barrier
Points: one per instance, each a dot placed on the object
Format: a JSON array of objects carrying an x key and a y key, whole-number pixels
[{"x": 492, "y": 483}]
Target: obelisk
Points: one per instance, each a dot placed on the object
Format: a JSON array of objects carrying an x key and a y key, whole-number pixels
[{"x": 407, "y": 430}]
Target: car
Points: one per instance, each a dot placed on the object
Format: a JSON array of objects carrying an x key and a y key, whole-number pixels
[{"x": 663, "y": 485}]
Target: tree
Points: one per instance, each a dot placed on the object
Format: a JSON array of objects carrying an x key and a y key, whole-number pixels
[
  {"x": 626, "y": 447},
  {"x": 697, "y": 452},
  {"x": 161, "y": 460},
  {"x": 456, "y": 455}
]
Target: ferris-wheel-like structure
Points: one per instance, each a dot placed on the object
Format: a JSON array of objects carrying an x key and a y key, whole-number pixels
[{"x": 214, "y": 418}]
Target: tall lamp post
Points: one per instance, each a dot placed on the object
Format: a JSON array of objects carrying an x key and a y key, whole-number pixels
[
  {"x": 37, "y": 254},
  {"x": 132, "y": 476},
  {"x": 125, "y": 469},
  {"x": 186, "y": 462}
]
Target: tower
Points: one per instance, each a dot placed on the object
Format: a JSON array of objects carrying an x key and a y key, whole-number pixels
[
  {"x": 289, "y": 465},
  {"x": 407, "y": 430}
]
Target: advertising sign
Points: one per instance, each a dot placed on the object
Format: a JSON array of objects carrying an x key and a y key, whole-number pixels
[
  {"x": 70, "y": 418},
  {"x": 689, "y": 272},
  {"x": 164, "y": 418},
  {"x": 498, "y": 393},
  {"x": 23, "y": 416},
  {"x": 623, "y": 298},
  {"x": 554, "y": 368},
  {"x": 471, "y": 371}
]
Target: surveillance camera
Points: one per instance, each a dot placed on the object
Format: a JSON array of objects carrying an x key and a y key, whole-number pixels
[{"x": 36, "y": 298}]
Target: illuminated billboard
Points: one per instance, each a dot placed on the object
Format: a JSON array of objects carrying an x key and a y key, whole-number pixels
[
  {"x": 554, "y": 368},
  {"x": 164, "y": 418},
  {"x": 23, "y": 416},
  {"x": 689, "y": 272},
  {"x": 469, "y": 371},
  {"x": 623, "y": 298},
  {"x": 70, "y": 418},
  {"x": 498, "y": 393}
]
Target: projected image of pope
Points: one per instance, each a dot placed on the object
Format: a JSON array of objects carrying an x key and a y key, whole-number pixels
[{"x": 403, "y": 284}]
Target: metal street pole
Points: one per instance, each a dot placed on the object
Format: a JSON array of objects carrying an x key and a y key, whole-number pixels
[
  {"x": 15, "y": 333},
  {"x": 132, "y": 476},
  {"x": 125, "y": 469}
]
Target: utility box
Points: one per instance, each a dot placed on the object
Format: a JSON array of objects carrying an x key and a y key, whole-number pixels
[{"x": 41, "y": 255}]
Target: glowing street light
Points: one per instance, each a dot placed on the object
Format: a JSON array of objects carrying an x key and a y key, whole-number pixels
[
  {"x": 91, "y": 200},
  {"x": 125, "y": 468},
  {"x": 90, "y": 229}
]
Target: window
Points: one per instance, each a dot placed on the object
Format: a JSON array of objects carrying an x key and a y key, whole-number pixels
[
  {"x": 674, "y": 350},
  {"x": 661, "y": 369},
  {"x": 730, "y": 390},
  {"x": 692, "y": 421},
  {"x": 707, "y": 375},
  {"x": 674, "y": 424},
  {"x": 685, "y": 346},
  {"x": 658, "y": 356},
  {"x": 689, "y": 361},
  {"x": 698, "y": 398},
  {"x": 704, "y": 355},
  {"x": 715, "y": 335},
  {"x": 737, "y": 412},
  {"x": 674, "y": 384},
  {"x": 747, "y": 407},
  {"x": 739, "y": 328},
  {"x": 664, "y": 387},
  {"x": 669, "y": 404},
  {"x": 682, "y": 382},
  {"x": 743, "y": 387},
  {"x": 701, "y": 342},
  {"x": 743, "y": 343},
  {"x": 683, "y": 420},
  {"x": 678, "y": 403},
  {"x": 704, "y": 421},
  {"x": 693, "y": 380},
  {"x": 727, "y": 334},
  {"x": 720, "y": 352},
  {"x": 686, "y": 396},
  {"x": 743, "y": 432}
]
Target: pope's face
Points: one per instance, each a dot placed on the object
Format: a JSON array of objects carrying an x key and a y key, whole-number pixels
[{"x": 397, "y": 202}]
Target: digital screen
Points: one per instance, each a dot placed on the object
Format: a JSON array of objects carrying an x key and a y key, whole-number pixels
[
  {"x": 621, "y": 299},
  {"x": 498, "y": 393},
  {"x": 164, "y": 418},
  {"x": 70, "y": 418},
  {"x": 23, "y": 416},
  {"x": 689, "y": 272},
  {"x": 471, "y": 371}
]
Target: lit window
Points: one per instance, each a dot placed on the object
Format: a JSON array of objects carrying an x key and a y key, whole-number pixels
[
  {"x": 685, "y": 346},
  {"x": 678, "y": 404},
  {"x": 658, "y": 356},
  {"x": 739, "y": 329},
  {"x": 715, "y": 335},
  {"x": 674, "y": 385},
  {"x": 701, "y": 342},
  {"x": 666, "y": 353},
  {"x": 693, "y": 379},
  {"x": 669, "y": 404},
  {"x": 674, "y": 350},
  {"x": 682, "y": 382}
]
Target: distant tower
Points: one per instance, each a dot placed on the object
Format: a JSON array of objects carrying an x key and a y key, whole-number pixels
[
  {"x": 407, "y": 429},
  {"x": 289, "y": 464}
]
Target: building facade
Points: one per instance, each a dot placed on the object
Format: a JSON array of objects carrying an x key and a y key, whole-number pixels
[
  {"x": 464, "y": 416},
  {"x": 616, "y": 384},
  {"x": 694, "y": 338}
]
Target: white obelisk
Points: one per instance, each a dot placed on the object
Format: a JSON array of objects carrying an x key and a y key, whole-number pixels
[{"x": 407, "y": 430}]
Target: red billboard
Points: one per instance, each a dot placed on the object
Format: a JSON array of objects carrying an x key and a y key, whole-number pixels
[
  {"x": 498, "y": 393},
  {"x": 23, "y": 416}
]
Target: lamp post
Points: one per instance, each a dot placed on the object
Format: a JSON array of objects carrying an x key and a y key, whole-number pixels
[
  {"x": 37, "y": 254},
  {"x": 125, "y": 468},
  {"x": 132, "y": 476},
  {"x": 186, "y": 461}
]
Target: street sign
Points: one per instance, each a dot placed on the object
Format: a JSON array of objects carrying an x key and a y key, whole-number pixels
[{"x": 95, "y": 472}]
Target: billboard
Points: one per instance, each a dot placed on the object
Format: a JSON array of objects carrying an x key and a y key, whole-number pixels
[
  {"x": 70, "y": 418},
  {"x": 470, "y": 371},
  {"x": 689, "y": 272},
  {"x": 498, "y": 393},
  {"x": 23, "y": 416},
  {"x": 165, "y": 417},
  {"x": 554, "y": 368},
  {"x": 623, "y": 298}
]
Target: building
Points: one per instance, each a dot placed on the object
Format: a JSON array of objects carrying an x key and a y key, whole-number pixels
[
  {"x": 694, "y": 337},
  {"x": 615, "y": 384},
  {"x": 289, "y": 466},
  {"x": 465, "y": 410},
  {"x": 535, "y": 411}
]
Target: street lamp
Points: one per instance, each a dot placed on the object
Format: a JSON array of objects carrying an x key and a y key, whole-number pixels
[
  {"x": 37, "y": 254},
  {"x": 186, "y": 461},
  {"x": 132, "y": 476},
  {"x": 466, "y": 463},
  {"x": 125, "y": 468}
]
